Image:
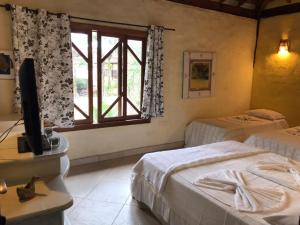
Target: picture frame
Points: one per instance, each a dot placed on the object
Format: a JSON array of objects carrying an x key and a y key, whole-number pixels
[
  {"x": 198, "y": 74},
  {"x": 6, "y": 65}
]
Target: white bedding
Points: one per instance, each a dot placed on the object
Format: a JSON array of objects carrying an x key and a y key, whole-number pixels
[
  {"x": 169, "y": 162},
  {"x": 284, "y": 142},
  {"x": 238, "y": 128},
  {"x": 183, "y": 203}
]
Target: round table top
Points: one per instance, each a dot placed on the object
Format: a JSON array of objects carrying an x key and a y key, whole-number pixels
[{"x": 9, "y": 150}]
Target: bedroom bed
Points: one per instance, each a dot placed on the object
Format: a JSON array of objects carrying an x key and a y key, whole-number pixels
[
  {"x": 238, "y": 128},
  {"x": 176, "y": 200},
  {"x": 285, "y": 142}
]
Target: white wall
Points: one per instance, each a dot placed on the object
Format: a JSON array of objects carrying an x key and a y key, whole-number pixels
[{"x": 231, "y": 37}]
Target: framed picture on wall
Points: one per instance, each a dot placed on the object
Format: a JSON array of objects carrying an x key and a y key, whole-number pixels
[
  {"x": 6, "y": 65},
  {"x": 198, "y": 74}
]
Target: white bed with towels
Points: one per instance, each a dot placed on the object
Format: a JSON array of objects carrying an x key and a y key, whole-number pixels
[
  {"x": 224, "y": 183},
  {"x": 285, "y": 142},
  {"x": 238, "y": 128}
]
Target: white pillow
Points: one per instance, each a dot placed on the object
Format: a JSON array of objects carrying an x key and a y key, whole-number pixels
[{"x": 265, "y": 114}]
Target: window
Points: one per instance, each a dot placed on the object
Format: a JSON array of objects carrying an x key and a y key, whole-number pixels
[{"x": 108, "y": 70}]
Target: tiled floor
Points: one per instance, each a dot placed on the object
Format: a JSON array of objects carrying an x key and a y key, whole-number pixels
[{"x": 101, "y": 195}]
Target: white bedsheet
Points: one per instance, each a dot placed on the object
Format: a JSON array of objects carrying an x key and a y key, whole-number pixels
[
  {"x": 168, "y": 162},
  {"x": 284, "y": 142},
  {"x": 238, "y": 128},
  {"x": 183, "y": 203}
]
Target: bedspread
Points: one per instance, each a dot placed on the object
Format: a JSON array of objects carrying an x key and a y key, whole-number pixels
[
  {"x": 284, "y": 142},
  {"x": 183, "y": 203}
]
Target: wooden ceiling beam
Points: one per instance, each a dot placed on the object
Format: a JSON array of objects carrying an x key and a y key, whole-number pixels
[
  {"x": 281, "y": 10},
  {"x": 261, "y": 5},
  {"x": 212, "y": 5},
  {"x": 241, "y": 2}
]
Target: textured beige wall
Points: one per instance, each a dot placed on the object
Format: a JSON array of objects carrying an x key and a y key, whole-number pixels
[
  {"x": 6, "y": 86},
  {"x": 276, "y": 82},
  {"x": 231, "y": 37}
]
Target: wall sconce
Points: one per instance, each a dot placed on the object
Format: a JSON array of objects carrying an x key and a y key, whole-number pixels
[{"x": 283, "y": 47}]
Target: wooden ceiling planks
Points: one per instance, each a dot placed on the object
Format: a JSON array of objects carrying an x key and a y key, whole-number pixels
[
  {"x": 254, "y": 9},
  {"x": 221, "y": 6}
]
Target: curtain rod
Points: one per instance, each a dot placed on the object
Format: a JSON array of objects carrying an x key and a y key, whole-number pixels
[{"x": 8, "y": 8}]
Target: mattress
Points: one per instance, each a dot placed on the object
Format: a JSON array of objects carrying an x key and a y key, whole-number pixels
[
  {"x": 238, "y": 128},
  {"x": 285, "y": 142},
  {"x": 182, "y": 203}
]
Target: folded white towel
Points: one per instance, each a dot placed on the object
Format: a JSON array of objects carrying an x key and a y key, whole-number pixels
[
  {"x": 283, "y": 171},
  {"x": 246, "y": 118},
  {"x": 246, "y": 198},
  {"x": 294, "y": 131}
]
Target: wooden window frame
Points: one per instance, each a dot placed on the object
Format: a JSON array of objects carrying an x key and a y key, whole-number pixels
[
  {"x": 89, "y": 59},
  {"x": 124, "y": 35}
]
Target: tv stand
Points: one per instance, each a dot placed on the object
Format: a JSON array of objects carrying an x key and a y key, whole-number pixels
[
  {"x": 17, "y": 169},
  {"x": 23, "y": 146}
]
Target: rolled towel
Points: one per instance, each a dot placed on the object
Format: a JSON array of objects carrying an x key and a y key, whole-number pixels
[
  {"x": 245, "y": 118},
  {"x": 246, "y": 198}
]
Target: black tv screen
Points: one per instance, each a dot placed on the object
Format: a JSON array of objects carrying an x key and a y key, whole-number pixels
[{"x": 30, "y": 106}]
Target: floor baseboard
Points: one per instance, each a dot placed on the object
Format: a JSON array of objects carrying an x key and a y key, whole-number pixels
[{"x": 126, "y": 153}]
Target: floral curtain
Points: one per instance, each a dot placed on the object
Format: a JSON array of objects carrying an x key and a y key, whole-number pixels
[
  {"x": 47, "y": 39},
  {"x": 153, "y": 99}
]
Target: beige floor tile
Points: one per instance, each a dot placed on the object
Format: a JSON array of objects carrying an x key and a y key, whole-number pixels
[
  {"x": 121, "y": 172},
  {"x": 132, "y": 215},
  {"x": 131, "y": 202},
  {"x": 102, "y": 196},
  {"x": 82, "y": 184},
  {"x": 111, "y": 190},
  {"x": 90, "y": 212},
  {"x": 76, "y": 202}
]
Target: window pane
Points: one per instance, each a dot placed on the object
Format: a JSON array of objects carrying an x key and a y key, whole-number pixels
[
  {"x": 81, "y": 42},
  {"x": 80, "y": 76},
  {"x": 134, "y": 76},
  {"x": 131, "y": 111},
  {"x": 107, "y": 43},
  {"x": 95, "y": 84},
  {"x": 110, "y": 82},
  {"x": 78, "y": 115},
  {"x": 136, "y": 47},
  {"x": 114, "y": 112}
]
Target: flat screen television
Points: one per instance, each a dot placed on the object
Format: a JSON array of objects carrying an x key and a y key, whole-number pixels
[{"x": 30, "y": 108}]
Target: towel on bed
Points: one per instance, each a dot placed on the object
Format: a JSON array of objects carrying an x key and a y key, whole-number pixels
[
  {"x": 281, "y": 170},
  {"x": 246, "y": 198},
  {"x": 295, "y": 131},
  {"x": 168, "y": 162},
  {"x": 246, "y": 118}
]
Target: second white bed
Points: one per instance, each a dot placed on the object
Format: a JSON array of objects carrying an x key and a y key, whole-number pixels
[
  {"x": 238, "y": 128},
  {"x": 285, "y": 142}
]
